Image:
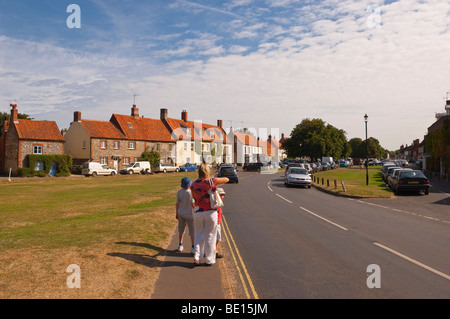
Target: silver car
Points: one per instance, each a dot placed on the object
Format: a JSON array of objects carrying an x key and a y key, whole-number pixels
[
  {"x": 297, "y": 176},
  {"x": 164, "y": 168}
]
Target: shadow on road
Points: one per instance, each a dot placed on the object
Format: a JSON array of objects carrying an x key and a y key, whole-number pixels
[{"x": 153, "y": 260}]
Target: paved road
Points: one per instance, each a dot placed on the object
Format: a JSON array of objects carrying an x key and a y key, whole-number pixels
[{"x": 303, "y": 243}]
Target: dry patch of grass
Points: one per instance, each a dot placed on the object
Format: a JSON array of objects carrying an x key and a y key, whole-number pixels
[{"x": 115, "y": 229}]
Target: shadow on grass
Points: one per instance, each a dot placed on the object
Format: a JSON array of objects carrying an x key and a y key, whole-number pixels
[{"x": 154, "y": 260}]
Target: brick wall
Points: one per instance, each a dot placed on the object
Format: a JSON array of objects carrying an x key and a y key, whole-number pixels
[
  {"x": 48, "y": 148},
  {"x": 108, "y": 151}
]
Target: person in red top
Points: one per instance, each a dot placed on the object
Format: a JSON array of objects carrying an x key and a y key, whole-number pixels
[
  {"x": 219, "y": 227},
  {"x": 205, "y": 218}
]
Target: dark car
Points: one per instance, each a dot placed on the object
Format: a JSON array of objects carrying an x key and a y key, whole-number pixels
[
  {"x": 253, "y": 167},
  {"x": 410, "y": 181},
  {"x": 230, "y": 172}
]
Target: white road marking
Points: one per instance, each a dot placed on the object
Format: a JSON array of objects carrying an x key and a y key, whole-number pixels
[
  {"x": 328, "y": 221},
  {"x": 287, "y": 200},
  {"x": 437, "y": 272},
  {"x": 268, "y": 186}
]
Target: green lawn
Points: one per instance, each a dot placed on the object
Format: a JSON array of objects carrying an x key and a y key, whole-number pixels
[
  {"x": 115, "y": 226},
  {"x": 354, "y": 179}
]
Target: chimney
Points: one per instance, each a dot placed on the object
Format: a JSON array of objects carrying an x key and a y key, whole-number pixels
[
  {"x": 135, "y": 111},
  {"x": 219, "y": 124},
  {"x": 184, "y": 115},
  {"x": 14, "y": 113},
  {"x": 77, "y": 116},
  {"x": 5, "y": 126},
  {"x": 164, "y": 114}
]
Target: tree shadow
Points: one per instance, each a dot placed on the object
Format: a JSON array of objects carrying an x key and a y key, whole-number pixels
[{"x": 154, "y": 260}]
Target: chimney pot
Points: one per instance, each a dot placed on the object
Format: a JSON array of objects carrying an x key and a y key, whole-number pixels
[
  {"x": 77, "y": 116},
  {"x": 184, "y": 115},
  {"x": 220, "y": 124},
  {"x": 135, "y": 111},
  {"x": 14, "y": 114},
  {"x": 164, "y": 114}
]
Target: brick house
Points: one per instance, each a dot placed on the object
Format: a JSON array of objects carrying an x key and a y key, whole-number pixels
[
  {"x": 118, "y": 142},
  {"x": 197, "y": 142},
  {"x": 22, "y": 137}
]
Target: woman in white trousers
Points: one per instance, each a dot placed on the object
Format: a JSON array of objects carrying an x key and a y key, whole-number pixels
[{"x": 205, "y": 218}]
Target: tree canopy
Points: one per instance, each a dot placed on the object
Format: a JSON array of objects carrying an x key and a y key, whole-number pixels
[{"x": 315, "y": 138}]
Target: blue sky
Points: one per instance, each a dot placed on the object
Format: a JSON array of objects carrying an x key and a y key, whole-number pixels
[{"x": 262, "y": 64}]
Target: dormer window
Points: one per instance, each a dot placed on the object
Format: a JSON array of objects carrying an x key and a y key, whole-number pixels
[{"x": 130, "y": 125}]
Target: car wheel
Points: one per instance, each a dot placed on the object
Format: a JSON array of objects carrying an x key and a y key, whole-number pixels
[
  {"x": 130, "y": 172},
  {"x": 94, "y": 174},
  {"x": 164, "y": 171},
  {"x": 177, "y": 170},
  {"x": 426, "y": 192},
  {"x": 113, "y": 173}
]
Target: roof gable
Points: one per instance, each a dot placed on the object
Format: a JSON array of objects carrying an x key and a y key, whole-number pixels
[{"x": 38, "y": 130}]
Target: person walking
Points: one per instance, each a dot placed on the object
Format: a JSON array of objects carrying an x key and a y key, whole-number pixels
[
  {"x": 184, "y": 212},
  {"x": 205, "y": 217},
  {"x": 219, "y": 227}
]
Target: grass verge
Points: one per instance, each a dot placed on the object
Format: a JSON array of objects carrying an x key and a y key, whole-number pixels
[
  {"x": 354, "y": 179},
  {"x": 115, "y": 228}
]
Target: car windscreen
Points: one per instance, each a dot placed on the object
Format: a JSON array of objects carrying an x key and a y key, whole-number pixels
[
  {"x": 298, "y": 171},
  {"x": 227, "y": 169},
  {"x": 412, "y": 174}
]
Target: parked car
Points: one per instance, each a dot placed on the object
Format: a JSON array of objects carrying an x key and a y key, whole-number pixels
[
  {"x": 293, "y": 164},
  {"x": 253, "y": 166},
  {"x": 230, "y": 172},
  {"x": 164, "y": 168},
  {"x": 297, "y": 176},
  {"x": 136, "y": 168},
  {"x": 384, "y": 170},
  {"x": 188, "y": 167},
  {"x": 325, "y": 166},
  {"x": 394, "y": 173},
  {"x": 94, "y": 169},
  {"x": 411, "y": 181}
]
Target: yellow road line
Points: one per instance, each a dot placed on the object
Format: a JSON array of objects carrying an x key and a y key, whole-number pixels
[{"x": 232, "y": 242}]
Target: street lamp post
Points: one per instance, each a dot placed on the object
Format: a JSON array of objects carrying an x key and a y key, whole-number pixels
[{"x": 366, "y": 117}]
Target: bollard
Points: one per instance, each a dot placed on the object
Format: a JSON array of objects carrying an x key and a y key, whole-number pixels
[
  {"x": 328, "y": 183},
  {"x": 343, "y": 186},
  {"x": 335, "y": 184}
]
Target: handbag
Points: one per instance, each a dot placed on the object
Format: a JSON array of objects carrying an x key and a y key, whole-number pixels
[{"x": 214, "y": 198}]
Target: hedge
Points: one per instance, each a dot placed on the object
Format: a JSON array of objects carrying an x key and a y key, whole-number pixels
[{"x": 63, "y": 164}]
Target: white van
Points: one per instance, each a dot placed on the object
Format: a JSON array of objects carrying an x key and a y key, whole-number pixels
[
  {"x": 94, "y": 169},
  {"x": 136, "y": 168}
]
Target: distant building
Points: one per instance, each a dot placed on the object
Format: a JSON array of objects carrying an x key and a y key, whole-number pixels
[
  {"x": 246, "y": 148},
  {"x": 22, "y": 137}
]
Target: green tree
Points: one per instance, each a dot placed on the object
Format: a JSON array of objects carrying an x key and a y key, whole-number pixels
[
  {"x": 315, "y": 138},
  {"x": 152, "y": 156}
]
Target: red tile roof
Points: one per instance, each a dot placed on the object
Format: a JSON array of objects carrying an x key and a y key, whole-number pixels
[
  {"x": 102, "y": 129},
  {"x": 179, "y": 129},
  {"x": 142, "y": 129},
  {"x": 38, "y": 130},
  {"x": 246, "y": 139}
]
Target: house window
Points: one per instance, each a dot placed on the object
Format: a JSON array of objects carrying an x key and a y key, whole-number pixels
[
  {"x": 192, "y": 146},
  {"x": 211, "y": 134},
  {"x": 170, "y": 147},
  {"x": 131, "y": 145},
  {"x": 116, "y": 145},
  {"x": 103, "y": 145},
  {"x": 104, "y": 160},
  {"x": 188, "y": 132},
  {"x": 130, "y": 125},
  {"x": 158, "y": 147},
  {"x": 84, "y": 145},
  {"x": 37, "y": 149},
  {"x": 126, "y": 161},
  {"x": 185, "y": 146}
]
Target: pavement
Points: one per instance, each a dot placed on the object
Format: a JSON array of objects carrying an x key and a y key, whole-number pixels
[{"x": 179, "y": 279}]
